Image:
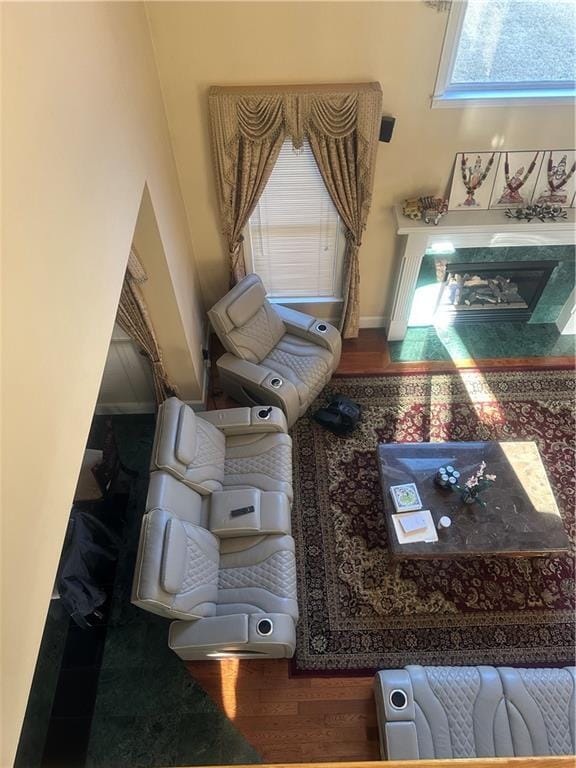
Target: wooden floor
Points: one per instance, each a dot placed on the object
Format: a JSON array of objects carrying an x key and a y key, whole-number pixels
[
  {"x": 369, "y": 354},
  {"x": 293, "y": 719},
  {"x": 316, "y": 719}
]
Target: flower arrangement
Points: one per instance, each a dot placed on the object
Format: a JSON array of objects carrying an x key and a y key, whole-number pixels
[{"x": 472, "y": 488}]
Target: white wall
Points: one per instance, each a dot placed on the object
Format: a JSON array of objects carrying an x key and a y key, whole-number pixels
[
  {"x": 200, "y": 44},
  {"x": 83, "y": 131},
  {"x": 126, "y": 385}
]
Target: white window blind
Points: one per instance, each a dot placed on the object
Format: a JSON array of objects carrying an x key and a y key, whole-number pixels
[{"x": 295, "y": 237}]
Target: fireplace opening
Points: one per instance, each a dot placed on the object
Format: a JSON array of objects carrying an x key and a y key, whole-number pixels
[{"x": 487, "y": 291}]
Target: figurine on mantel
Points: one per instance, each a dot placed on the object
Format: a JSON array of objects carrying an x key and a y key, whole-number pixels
[
  {"x": 537, "y": 211},
  {"x": 430, "y": 209}
]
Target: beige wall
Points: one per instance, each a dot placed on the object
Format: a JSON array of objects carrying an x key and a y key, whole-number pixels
[
  {"x": 83, "y": 132},
  {"x": 396, "y": 43}
]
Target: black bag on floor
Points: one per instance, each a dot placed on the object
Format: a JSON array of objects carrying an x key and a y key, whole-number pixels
[
  {"x": 88, "y": 546},
  {"x": 340, "y": 416}
]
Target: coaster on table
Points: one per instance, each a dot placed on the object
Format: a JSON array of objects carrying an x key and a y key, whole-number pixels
[{"x": 405, "y": 497}]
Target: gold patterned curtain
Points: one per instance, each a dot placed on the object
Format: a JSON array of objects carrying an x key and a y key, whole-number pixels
[
  {"x": 341, "y": 122},
  {"x": 134, "y": 320}
]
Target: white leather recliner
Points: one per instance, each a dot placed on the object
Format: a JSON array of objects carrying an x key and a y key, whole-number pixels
[
  {"x": 466, "y": 712},
  {"x": 275, "y": 355},
  {"x": 215, "y": 549}
]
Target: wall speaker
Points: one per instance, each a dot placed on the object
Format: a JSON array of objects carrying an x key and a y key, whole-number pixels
[{"x": 386, "y": 128}]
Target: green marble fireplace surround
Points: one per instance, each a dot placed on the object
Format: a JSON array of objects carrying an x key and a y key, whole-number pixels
[
  {"x": 553, "y": 298},
  {"x": 539, "y": 337},
  {"x": 416, "y": 332}
]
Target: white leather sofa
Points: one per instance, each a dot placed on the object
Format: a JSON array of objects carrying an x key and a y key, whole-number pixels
[
  {"x": 228, "y": 581},
  {"x": 275, "y": 355},
  {"x": 464, "y": 712}
]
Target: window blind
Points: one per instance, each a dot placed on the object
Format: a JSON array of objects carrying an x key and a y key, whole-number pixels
[{"x": 296, "y": 237}]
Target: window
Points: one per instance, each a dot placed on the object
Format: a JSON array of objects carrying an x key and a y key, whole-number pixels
[
  {"x": 503, "y": 50},
  {"x": 295, "y": 238}
]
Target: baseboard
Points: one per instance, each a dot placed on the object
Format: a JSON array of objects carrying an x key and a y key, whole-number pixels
[{"x": 375, "y": 321}]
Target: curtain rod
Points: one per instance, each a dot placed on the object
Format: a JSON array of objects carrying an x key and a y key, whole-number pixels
[{"x": 299, "y": 88}]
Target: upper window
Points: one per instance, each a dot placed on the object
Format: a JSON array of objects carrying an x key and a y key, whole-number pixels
[
  {"x": 497, "y": 50},
  {"x": 294, "y": 238}
]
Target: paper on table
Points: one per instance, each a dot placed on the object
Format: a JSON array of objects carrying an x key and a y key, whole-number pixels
[
  {"x": 428, "y": 534},
  {"x": 412, "y": 522}
]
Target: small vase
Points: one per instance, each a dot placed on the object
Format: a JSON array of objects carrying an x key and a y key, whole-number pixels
[{"x": 468, "y": 497}]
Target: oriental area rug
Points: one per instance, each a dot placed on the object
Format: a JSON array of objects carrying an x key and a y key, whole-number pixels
[{"x": 360, "y": 611}]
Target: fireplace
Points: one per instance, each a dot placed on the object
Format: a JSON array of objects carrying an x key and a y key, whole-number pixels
[{"x": 488, "y": 291}]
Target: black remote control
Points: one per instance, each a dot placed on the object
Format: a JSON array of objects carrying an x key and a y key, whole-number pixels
[{"x": 241, "y": 511}]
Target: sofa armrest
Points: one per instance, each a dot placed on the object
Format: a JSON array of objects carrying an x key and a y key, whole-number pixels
[
  {"x": 311, "y": 328},
  {"x": 214, "y": 631},
  {"x": 400, "y": 742},
  {"x": 260, "y": 635},
  {"x": 396, "y": 714},
  {"x": 240, "y": 421},
  {"x": 267, "y": 386},
  {"x": 225, "y": 525},
  {"x": 271, "y": 515}
]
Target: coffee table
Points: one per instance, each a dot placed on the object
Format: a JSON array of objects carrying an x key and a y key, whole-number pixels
[{"x": 521, "y": 518}]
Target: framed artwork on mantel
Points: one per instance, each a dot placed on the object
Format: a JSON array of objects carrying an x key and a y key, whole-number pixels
[
  {"x": 472, "y": 181},
  {"x": 515, "y": 179},
  {"x": 556, "y": 180},
  {"x": 482, "y": 180}
]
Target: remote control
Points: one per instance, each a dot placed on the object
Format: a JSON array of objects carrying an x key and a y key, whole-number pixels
[{"x": 241, "y": 511}]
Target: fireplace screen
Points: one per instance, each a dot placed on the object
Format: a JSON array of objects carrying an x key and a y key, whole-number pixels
[{"x": 493, "y": 290}]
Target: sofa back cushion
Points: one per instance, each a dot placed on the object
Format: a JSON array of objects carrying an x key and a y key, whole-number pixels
[
  {"x": 189, "y": 448},
  {"x": 246, "y": 322},
  {"x": 176, "y": 572}
]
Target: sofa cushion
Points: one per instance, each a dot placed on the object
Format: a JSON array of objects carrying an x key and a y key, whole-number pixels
[
  {"x": 306, "y": 365},
  {"x": 176, "y": 572},
  {"x": 247, "y": 304},
  {"x": 259, "y": 577},
  {"x": 261, "y": 461},
  {"x": 189, "y": 448},
  {"x": 541, "y": 710}
]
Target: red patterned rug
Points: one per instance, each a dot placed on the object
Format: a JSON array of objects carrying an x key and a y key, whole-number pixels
[{"x": 358, "y": 612}]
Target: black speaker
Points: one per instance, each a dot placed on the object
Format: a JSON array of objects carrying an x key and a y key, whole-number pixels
[{"x": 386, "y": 128}]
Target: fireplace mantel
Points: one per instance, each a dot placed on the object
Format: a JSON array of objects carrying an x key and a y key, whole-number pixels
[{"x": 463, "y": 229}]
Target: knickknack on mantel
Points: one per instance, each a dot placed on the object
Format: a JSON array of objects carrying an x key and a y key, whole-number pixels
[{"x": 465, "y": 229}]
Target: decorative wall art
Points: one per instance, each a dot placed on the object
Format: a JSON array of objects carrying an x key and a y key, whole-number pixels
[
  {"x": 515, "y": 179},
  {"x": 556, "y": 181},
  {"x": 510, "y": 180},
  {"x": 472, "y": 181}
]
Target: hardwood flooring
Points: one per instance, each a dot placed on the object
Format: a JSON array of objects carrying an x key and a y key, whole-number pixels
[
  {"x": 293, "y": 719},
  {"x": 316, "y": 719},
  {"x": 369, "y": 355}
]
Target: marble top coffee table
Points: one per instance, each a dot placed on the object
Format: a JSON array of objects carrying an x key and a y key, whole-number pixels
[{"x": 521, "y": 518}]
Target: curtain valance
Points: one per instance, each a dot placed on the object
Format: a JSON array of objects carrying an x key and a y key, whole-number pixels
[
  {"x": 260, "y": 113},
  {"x": 341, "y": 122}
]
